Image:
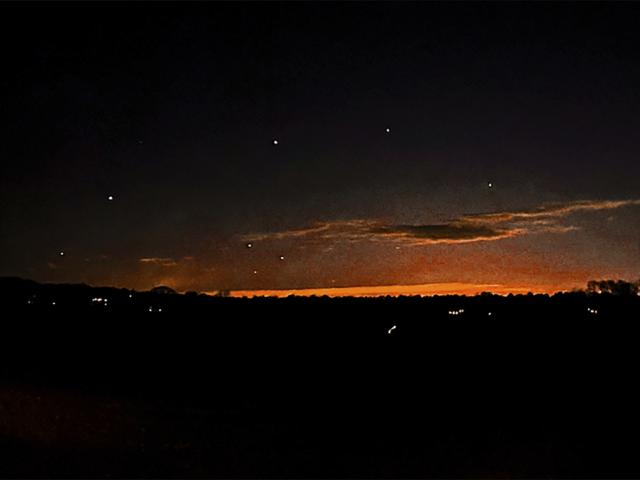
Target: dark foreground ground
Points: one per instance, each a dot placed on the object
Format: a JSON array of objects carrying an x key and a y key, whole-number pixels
[{"x": 220, "y": 387}]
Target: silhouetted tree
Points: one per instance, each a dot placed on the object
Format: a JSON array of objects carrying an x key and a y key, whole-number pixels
[{"x": 613, "y": 287}]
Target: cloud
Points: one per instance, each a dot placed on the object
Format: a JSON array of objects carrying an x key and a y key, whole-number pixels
[
  {"x": 161, "y": 261},
  {"x": 479, "y": 227},
  {"x": 550, "y": 212}
]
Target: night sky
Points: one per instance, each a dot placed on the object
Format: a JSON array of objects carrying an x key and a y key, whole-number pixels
[{"x": 314, "y": 146}]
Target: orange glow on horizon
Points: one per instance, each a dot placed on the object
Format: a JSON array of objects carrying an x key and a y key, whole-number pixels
[{"x": 453, "y": 288}]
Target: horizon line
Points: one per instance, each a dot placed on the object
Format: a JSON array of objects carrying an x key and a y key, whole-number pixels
[{"x": 423, "y": 289}]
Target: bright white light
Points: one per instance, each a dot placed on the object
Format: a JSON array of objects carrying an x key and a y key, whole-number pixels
[
  {"x": 388, "y": 130},
  {"x": 391, "y": 329},
  {"x": 53, "y": 303},
  {"x": 255, "y": 272},
  {"x": 159, "y": 309},
  {"x": 151, "y": 309},
  {"x": 249, "y": 245},
  {"x": 130, "y": 295},
  {"x": 281, "y": 257},
  {"x": 490, "y": 185},
  {"x": 62, "y": 254},
  {"x": 110, "y": 198},
  {"x": 275, "y": 142},
  {"x": 489, "y": 313}
]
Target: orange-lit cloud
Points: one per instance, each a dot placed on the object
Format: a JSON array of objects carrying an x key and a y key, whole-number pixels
[
  {"x": 161, "y": 261},
  {"x": 469, "y": 228}
]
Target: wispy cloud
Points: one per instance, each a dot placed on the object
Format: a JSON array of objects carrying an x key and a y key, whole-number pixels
[
  {"x": 469, "y": 228},
  {"x": 161, "y": 261},
  {"x": 549, "y": 213}
]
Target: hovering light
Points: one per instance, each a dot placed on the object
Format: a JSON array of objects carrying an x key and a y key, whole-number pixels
[
  {"x": 489, "y": 313},
  {"x": 255, "y": 272},
  {"x": 490, "y": 184},
  {"x": 249, "y": 245},
  {"x": 281, "y": 257},
  {"x": 130, "y": 295},
  {"x": 275, "y": 142},
  {"x": 150, "y": 309},
  {"x": 159, "y": 309},
  {"x": 53, "y": 303},
  {"x": 388, "y": 130},
  {"x": 110, "y": 198},
  {"x": 391, "y": 330},
  {"x": 62, "y": 254}
]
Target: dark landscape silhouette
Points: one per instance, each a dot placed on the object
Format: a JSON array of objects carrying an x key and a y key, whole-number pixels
[{"x": 112, "y": 382}]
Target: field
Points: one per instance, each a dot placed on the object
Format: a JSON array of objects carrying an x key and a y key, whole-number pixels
[{"x": 486, "y": 386}]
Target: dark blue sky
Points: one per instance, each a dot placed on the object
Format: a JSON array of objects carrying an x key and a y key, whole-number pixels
[{"x": 173, "y": 110}]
